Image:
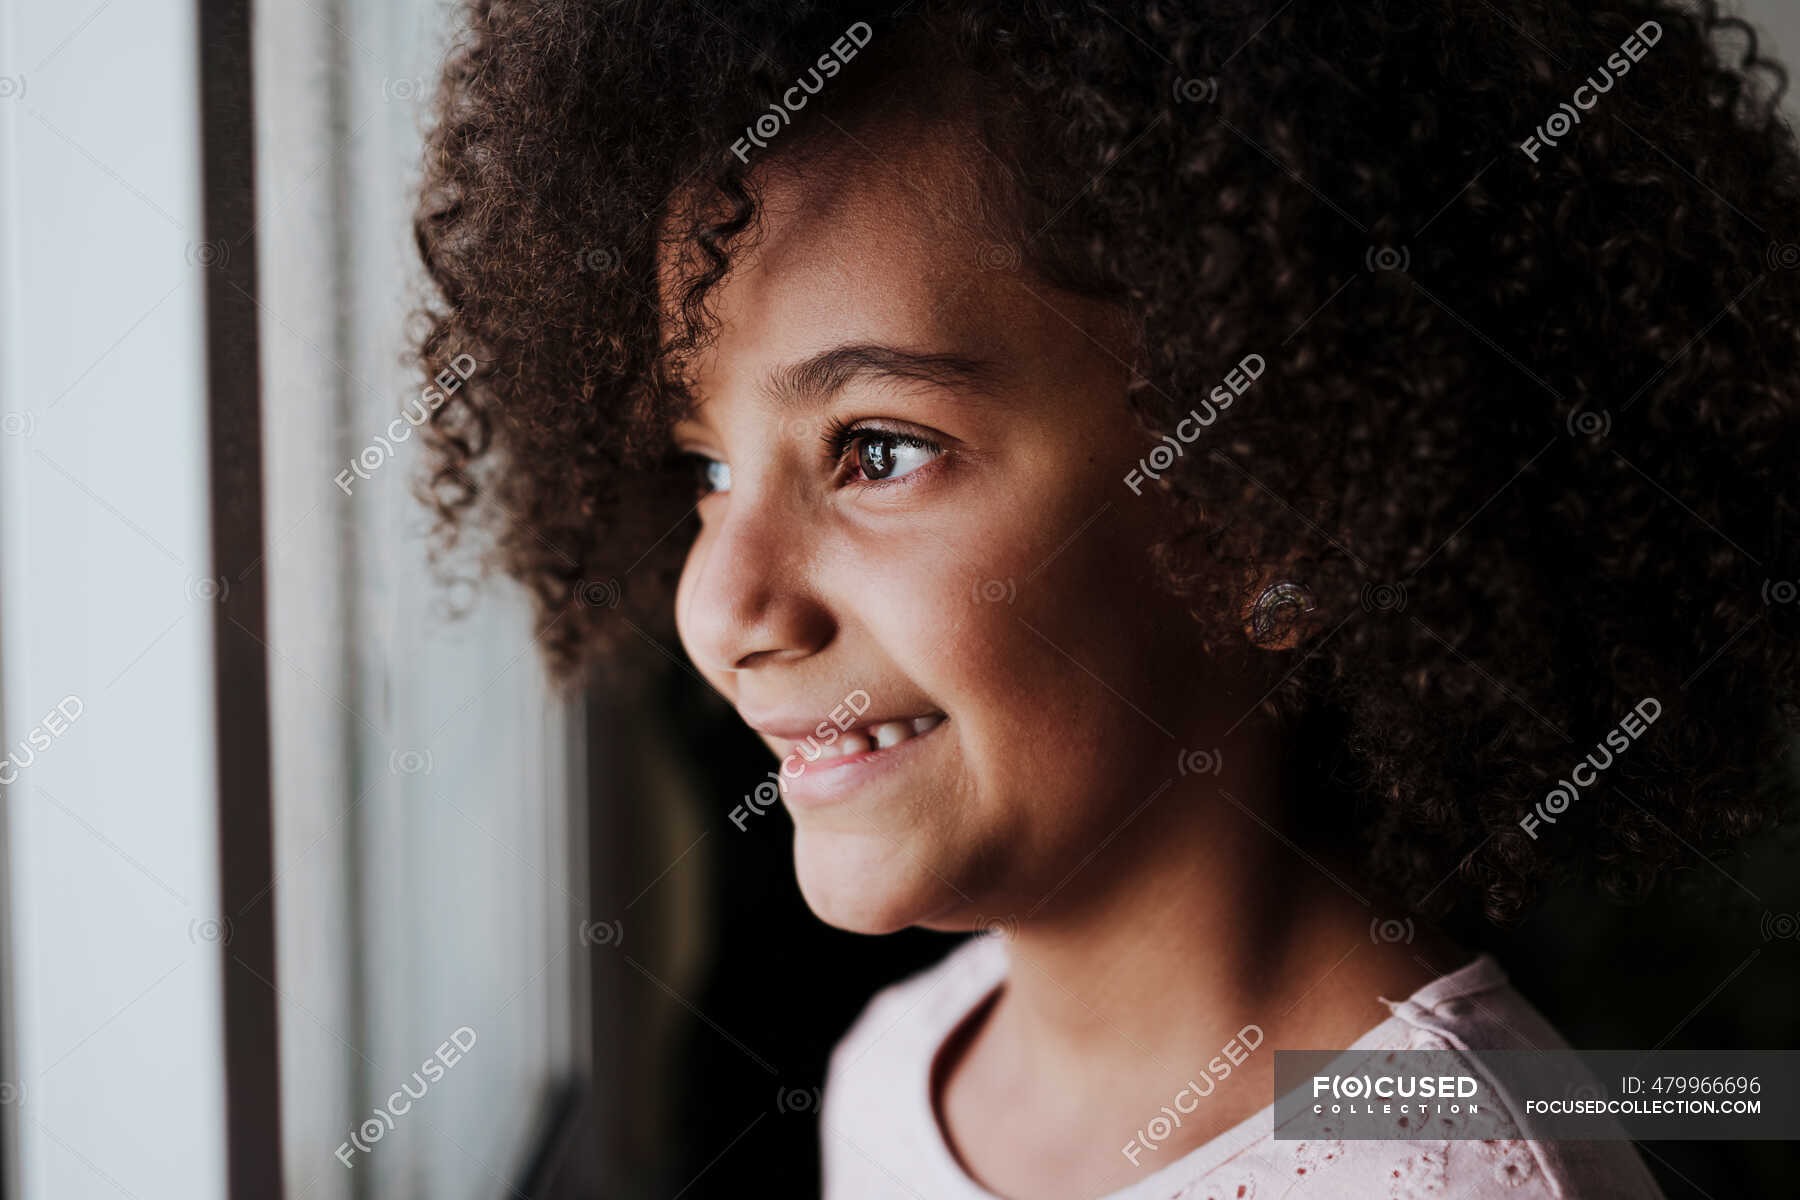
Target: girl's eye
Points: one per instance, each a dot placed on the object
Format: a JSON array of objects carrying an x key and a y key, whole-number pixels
[
  {"x": 880, "y": 454},
  {"x": 710, "y": 474}
]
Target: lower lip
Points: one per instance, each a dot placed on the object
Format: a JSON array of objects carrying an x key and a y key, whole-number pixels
[{"x": 829, "y": 780}]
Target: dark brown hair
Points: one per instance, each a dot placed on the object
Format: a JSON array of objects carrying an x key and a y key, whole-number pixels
[{"x": 1528, "y": 427}]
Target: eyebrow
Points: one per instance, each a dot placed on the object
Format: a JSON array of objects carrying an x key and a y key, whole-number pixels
[{"x": 817, "y": 378}]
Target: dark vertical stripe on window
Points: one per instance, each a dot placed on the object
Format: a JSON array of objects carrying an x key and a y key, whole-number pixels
[{"x": 240, "y": 631}]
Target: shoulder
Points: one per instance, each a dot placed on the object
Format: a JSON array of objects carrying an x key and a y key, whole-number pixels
[
  {"x": 876, "y": 1123},
  {"x": 1478, "y": 1008},
  {"x": 907, "y": 1020},
  {"x": 1453, "y": 1016}
]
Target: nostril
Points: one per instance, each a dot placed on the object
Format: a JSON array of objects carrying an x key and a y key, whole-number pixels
[{"x": 758, "y": 658}]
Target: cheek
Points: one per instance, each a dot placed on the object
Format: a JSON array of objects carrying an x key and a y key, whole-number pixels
[
  {"x": 684, "y": 587},
  {"x": 1069, "y": 666},
  {"x": 1043, "y": 673},
  {"x": 903, "y": 596}
]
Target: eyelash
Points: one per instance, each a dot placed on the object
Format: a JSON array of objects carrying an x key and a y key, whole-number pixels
[{"x": 840, "y": 436}]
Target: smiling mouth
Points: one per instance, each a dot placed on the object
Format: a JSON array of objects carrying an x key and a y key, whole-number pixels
[{"x": 865, "y": 739}]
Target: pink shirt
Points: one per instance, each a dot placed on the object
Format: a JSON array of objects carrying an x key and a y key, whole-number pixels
[{"x": 880, "y": 1137}]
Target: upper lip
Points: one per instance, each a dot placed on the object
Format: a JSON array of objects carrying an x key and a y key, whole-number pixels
[{"x": 791, "y": 728}]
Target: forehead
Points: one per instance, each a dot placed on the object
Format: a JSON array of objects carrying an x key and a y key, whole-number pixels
[{"x": 884, "y": 234}]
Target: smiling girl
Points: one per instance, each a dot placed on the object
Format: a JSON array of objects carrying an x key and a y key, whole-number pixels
[{"x": 1243, "y": 487}]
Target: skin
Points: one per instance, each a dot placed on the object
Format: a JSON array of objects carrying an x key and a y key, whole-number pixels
[{"x": 1004, "y": 583}]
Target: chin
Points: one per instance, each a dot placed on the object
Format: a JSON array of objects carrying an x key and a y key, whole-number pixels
[{"x": 864, "y": 883}]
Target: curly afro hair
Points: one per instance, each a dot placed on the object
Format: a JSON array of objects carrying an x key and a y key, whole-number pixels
[{"x": 1521, "y": 273}]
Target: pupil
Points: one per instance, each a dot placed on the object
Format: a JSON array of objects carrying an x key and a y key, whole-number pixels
[{"x": 877, "y": 458}]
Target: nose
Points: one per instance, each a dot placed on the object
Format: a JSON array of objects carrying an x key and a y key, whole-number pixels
[{"x": 745, "y": 598}]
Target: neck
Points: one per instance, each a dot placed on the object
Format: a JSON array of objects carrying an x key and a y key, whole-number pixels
[{"x": 1197, "y": 920}]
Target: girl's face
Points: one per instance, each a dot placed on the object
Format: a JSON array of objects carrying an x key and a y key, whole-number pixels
[{"x": 915, "y": 526}]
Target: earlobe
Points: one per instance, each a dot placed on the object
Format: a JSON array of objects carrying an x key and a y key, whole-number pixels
[{"x": 1276, "y": 619}]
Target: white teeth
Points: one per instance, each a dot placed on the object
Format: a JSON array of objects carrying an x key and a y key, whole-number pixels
[
  {"x": 856, "y": 742},
  {"x": 890, "y": 733},
  {"x": 884, "y": 736}
]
